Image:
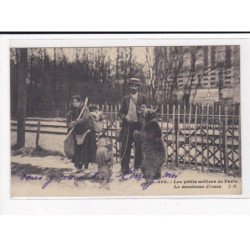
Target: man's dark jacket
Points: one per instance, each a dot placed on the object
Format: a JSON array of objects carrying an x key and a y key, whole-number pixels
[
  {"x": 141, "y": 99},
  {"x": 126, "y": 133}
]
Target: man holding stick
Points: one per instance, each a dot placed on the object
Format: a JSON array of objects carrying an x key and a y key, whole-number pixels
[{"x": 129, "y": 113}]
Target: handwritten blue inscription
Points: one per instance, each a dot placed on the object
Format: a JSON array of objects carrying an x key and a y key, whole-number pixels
[
  {"x": 95, "y": 177},
  {"x": 138, "y": 176}
]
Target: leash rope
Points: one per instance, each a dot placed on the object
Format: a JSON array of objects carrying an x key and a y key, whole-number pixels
[{"x": 126, "y": 142}]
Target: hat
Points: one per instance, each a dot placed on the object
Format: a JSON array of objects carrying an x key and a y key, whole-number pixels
[{"x": 134, "y": 81}]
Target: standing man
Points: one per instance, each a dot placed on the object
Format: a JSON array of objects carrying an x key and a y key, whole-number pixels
[{"x": 129, "y": 113}]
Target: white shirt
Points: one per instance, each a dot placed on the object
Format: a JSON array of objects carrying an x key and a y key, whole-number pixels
[{"x": 132, "y": 107}]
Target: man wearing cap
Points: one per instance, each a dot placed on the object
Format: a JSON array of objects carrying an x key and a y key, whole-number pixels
[{"x": 129, "y": 113}]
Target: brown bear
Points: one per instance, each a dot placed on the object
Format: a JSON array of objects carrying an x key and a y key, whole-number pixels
[
  {"x": 153, "y": 147},
  {"x": 104, "y": 159}
]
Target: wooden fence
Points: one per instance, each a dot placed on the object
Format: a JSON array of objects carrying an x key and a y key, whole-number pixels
[{"x": 200, "y": 137}]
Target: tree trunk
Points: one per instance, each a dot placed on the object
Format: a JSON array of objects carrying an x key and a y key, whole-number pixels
[{"x": 21, "y": 105}]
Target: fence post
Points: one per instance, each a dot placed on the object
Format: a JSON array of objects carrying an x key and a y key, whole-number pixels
[
  {"x": 207, "y": 137},
  {"x": 201, "y": 130},
  {"x": 167, "y": 132},
  {"x": 38, "y": 133},
  {"x": 107, "y": 118},
  {"x": 111, "y": 120},
  {"x": 196, "y": 152},
  {"x": 184, "y": 132},
  {"x": 173, "y": 135},
  {"x": 220, "y": 139},
  {"x": 116, "y": 134},
  {"x": 225, "y": 149},
  {"x": 189, "y": 135},
  {"x": 232, "y": 142},
  {"x": 239, "y": 124},
  {"x": 162, "y": 114},
  {"x": 213, "y": 124},
  {"x": 177, "y": 124}
]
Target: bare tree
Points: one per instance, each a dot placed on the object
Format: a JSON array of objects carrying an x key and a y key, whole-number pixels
[
  {"x": 21, "y": 106},
  {"x": 171, "y": 68},
  {"x": 126, "y": 58},
  {"x": 150, "y": 63},
  {"x": 193, "y": 73}
]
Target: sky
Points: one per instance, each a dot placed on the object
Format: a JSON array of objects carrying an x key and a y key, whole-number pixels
[{"x": 139, "y": 53}]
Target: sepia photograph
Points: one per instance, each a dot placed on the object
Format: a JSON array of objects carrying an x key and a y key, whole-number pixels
[
  {"x": 122, "y": 122},
  {"x": 135, "y": 121}
]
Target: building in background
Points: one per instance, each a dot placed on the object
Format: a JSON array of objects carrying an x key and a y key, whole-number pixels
[{"x": 197, "y": 74}]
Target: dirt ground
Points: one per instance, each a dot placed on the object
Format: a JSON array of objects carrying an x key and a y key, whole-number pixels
[{"x": 52, "y": 175}]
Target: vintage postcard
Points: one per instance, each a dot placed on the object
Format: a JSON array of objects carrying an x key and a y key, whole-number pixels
[{"x": 125, "y": 121}]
